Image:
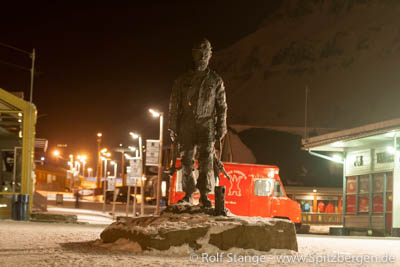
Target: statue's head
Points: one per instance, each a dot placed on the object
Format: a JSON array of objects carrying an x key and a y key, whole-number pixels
[{"x": 201, "y": 53}]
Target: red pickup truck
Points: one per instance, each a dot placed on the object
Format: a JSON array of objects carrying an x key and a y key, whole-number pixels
[{"x": 253, "y": 191}]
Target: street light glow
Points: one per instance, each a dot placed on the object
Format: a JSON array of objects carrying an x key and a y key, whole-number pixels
[
  {"x": 99, "y": 134},
  {"x": 337, "y": 158},
  {"x": 134, "y": 135},
  {"x": 56, "y": 153},
  {"x": 104, "y": 150},
  {"x": 390, "y": 149},
  {"x": 154, "y": 113}
]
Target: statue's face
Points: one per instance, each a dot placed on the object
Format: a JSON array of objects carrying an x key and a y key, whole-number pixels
[{"x": 201, "y": 57}]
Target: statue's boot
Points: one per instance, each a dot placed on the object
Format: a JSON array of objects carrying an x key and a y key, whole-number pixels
[
  {"x": 204, "y": 201},
  {"x": 187, "y": 199}
]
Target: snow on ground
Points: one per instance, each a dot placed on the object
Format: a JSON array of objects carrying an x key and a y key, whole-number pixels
[{"x": 54, "y": 244}]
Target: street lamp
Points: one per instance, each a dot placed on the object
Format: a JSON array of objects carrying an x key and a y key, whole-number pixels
[
  {"x": 56, "y": 154},
  {"x": 113, "y": 163},
  {"x": 122, "y": 165},
  {"x": 98, "y": 170},
  {"x": 82, "y": 159},
  {"x": 90, "y": 172},
  {"x": 160, "y": 115},
  {"x": 71, "y": 165},
  {"x": 140, "y": 151},
  {"x": 105, "y": 156}
]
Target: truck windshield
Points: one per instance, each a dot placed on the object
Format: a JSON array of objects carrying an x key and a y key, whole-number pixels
[{"x": 262, "y": 187}]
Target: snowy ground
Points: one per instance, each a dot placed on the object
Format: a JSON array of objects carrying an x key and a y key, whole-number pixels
[{"x": 51, "y": 244}]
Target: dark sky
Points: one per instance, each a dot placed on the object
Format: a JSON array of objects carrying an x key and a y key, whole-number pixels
[{"x": 101, "y": 66}]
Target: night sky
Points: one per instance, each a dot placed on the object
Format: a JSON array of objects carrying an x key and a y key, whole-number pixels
[{"x": 101, "y": 66}]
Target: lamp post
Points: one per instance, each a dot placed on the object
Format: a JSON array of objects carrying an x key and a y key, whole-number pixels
[
  {"x": 106, "y": 154},
  {"x": 90, "y": 172},
  {"x": 140, "y": 150},
  {"x": 113, "y": 163},
  {"x": 56, "y": 154},
  {"x": 98, "y": 170},
  {"x": 159, "y": 178},
  {"x": 71, "y": 164},
  {"x": 82, "y": 159},
  {"x": 123, "y": 166}
]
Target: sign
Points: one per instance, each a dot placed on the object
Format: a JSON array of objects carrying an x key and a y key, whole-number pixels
[
  {"x": 134, "y": 171},
  {"x": 152, "y": 152},
  {"x": 384, "y": 161},
  {"x": 110, "y": 184},
  {"x": 358, "y": 162}
]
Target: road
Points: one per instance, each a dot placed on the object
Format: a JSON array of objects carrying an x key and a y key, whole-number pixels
[
  {"x": 56, "y": 244},
  {"x": 92, "y": 212}
]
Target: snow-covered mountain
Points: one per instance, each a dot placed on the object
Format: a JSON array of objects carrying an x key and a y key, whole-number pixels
[{"x": 346, "y": 52}]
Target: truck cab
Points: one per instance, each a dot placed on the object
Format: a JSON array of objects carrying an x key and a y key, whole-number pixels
[{"x": 254, "y": 191}]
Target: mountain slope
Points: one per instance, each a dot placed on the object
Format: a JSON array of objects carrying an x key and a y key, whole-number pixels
[{"x": 346, "y": 52}]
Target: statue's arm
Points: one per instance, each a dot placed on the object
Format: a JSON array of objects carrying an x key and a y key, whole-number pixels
[{"x": 221, "y": 110}]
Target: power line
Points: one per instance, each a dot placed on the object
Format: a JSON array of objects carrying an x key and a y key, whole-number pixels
[
  {"x": 16, "y": 49},
  {"x": 14, "y": 65}
]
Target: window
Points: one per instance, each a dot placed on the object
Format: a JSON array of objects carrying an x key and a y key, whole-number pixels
[
  {"x": 278, "y": 189},
  {"x": 378, "y": 182},
  {"x": 262, "y": 187},
  {"x": 363, "y": 197}
]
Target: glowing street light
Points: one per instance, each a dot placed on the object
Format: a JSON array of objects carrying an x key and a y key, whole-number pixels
[
  {"x": 82, "y": 159},
  {"x": 160, "y": 115},
  {"x": 56, "y": 153},
  {"x": 155, "y": 113},
  {"x": 90, "y": 172},
  {"x": 136, "y": 136}
]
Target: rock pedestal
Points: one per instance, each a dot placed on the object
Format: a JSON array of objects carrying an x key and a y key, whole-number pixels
[{"x": 180, "y": 225}]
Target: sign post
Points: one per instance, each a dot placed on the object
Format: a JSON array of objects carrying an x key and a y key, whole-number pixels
[
  {"x": 152, "y": 152},
  {"x": 134, "y": 172}
]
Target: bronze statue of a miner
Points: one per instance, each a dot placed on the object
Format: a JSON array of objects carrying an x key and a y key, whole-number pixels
[{"x": 197, "y": 118}]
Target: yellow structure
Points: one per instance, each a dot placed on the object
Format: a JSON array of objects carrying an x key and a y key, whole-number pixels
[{"x": 17, "y": 135}]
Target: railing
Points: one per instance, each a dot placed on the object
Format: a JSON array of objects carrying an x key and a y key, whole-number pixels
[{"x": 321, "y": 218}]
